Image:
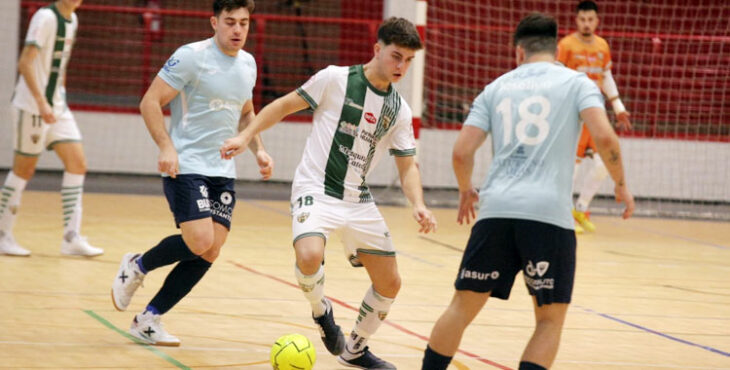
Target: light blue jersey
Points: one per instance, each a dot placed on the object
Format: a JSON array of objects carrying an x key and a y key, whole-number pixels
[
  {"x": 533, "y": 113},
  {"x": 213, "y": 89}
]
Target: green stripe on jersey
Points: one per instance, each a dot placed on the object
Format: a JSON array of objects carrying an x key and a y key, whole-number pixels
[
  {"x": 337, "y": 163},
  {"x": 57, "y": 54},
  {"x": 307, "y": 98},
  {"x": 403, "y": 153}
]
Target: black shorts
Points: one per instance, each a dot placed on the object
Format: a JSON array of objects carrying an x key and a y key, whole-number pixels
[
  {"x": 498, "y": 248},
  {"x": 192, "y": 197}
]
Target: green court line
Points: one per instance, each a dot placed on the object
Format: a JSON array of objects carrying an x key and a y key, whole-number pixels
[{"x": 148, "y": 347}]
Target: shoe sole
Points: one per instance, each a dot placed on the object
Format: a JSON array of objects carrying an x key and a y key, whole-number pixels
[
  {"x": 345, "y": 363},
  {"x": 114, "y": 302},
  {"x": 150, "y": 343},
  {"x": 14, "y": 255}
]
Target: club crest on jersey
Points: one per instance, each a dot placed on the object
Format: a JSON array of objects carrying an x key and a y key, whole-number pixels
[
  {"x": 386, "y": 120},
  {"x": 34, "y": 138},
  {"x": 302, "y": 217},
  {"x": 370, "y": 118}
]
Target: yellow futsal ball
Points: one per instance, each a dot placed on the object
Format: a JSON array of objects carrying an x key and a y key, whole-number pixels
[{"x": 293, "y": 352}]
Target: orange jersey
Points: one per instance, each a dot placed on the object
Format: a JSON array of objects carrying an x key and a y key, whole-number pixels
[{"x": 591, "y": 58}]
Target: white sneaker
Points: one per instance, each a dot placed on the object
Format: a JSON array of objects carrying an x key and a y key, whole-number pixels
[
  {"x": 10, "y": 247},
  {"x": 126, "y": 282},
  {"x": 79, "y": 246},
  {"x": 147, "y": 328}
]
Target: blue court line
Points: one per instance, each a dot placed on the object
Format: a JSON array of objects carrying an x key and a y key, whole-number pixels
[
  {"x": 675, "y": 236},
  {"x": 667, "y": 336}
]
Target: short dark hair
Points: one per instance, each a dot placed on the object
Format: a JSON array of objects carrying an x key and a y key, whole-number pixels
[
  {"x": 537, "y": 33},
  {"x": 229, "y": 5},
  {"x": 401, "y": 32},
  {"x": 586, "y": 5}
]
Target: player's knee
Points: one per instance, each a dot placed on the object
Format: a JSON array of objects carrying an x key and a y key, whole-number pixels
[
  {"x": 24, "y": 172},
  {"x": 199, "y": 242},
  {"x": 211, "y": 254},
  {"x": 77, "y": 166},
  {"x": 389, "y": 287},
  {"x": 309, "y": 262}
]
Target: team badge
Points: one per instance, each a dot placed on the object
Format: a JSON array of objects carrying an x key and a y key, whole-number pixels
[
  {"x": 302, "y": 217},
  {"x": 382, "y": 315},
  {"x": 34, "y": 138}
]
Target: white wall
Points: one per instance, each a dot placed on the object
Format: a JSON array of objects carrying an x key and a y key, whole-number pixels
[{"x": 9, "y": 24}]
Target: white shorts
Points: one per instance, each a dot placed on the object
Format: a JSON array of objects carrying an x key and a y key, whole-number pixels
[
  {"x": 31, "y": 134},
  {"x": 361, "y": 226}
]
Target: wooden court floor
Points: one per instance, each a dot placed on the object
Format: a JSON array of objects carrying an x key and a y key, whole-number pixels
[{"x": 649, "y": 294}]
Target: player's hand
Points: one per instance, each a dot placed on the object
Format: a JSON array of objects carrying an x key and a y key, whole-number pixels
[
  {"x": 624, "y": 195},
  {"x": 266, "y": 164},
  {"x": 234, "y": 146},
  {"x": 622, "y": 121},
  {"x": 425, "y": 218},
  {"x": 466, "y": 206},
  {"x": 167, "y": 162},
  {"x": 46, "y": 113}
]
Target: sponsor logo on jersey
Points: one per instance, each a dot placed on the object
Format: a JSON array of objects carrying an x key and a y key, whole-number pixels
[
  {"x": 370, "y": 118},
  {"x": 351, "y": 103},
  {"x": 539, "y": 269},
  {"x": 172, "y": 62},
  {"x": 219, "y": 104},
  {"x": 203, "y": 205},
  {"x": 348, "y": 128},
  {"x": 477, "y": 275},
  {"x": 302, "y": 217}
]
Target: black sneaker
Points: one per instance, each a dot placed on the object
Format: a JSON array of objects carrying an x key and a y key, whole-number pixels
[
  {"x": 331, "y": 333},
  {"x": 367, "y": 360}
]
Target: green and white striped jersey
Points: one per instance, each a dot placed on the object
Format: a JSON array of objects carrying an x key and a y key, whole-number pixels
[
  {"x": 54, "y": 36},
  {"x": 353, "y": 124}
]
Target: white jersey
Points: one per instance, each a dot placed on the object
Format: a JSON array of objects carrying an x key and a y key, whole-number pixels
[
  {"x": 54, "y": 36},
  {"x": 353, "y": 124}
]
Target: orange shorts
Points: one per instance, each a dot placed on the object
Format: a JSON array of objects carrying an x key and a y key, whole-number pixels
[{"x": 586, "y": 145}]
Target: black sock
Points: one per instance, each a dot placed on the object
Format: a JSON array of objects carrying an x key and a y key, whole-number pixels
[
  {"x": 524, "y": 365},
  {"x": 170, "y": 250},
  {"x": 434, "y": 361},
  {"x": 179, "y": 283}
]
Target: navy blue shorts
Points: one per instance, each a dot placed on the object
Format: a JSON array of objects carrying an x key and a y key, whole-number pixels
[
  {"x": 499, "y": 248},
  {"x": 192, "y": 197}
]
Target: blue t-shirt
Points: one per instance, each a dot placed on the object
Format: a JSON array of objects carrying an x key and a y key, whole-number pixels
[
  {"x": 213, "y": 89},
  {"x": 533, "y": 113}
]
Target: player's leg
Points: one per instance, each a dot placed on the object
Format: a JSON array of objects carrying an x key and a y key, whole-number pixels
[
  {"x": 187, "y": 273},
  {"x": 449, "y": 328},
  {"x": 583, "y": 154},
  {"x": 187, "y": 196},
  {"x": 487, "y": 269},
  {"x": 313, "y": 218},
  {"x": 28, "y": 135},
  {"x": 543, "y": 345},
  {"x": 64, "y": 138},
  {"x": 597, "y": 173},
  {"x": 367, "y": 236},
  {"x": 548, "y": 256}
]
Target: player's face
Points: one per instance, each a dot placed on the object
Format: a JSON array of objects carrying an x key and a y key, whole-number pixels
[
  {"x": 587, "y": 22},
  {"x": 394, "y": 60},
  {"x": 231, "y": 29}
]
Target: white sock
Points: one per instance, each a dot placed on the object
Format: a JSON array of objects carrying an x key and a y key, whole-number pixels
[
  {"x": 591, "y": 184},
  {"x": 373, "y": 311},
  {"x": 10, "y": 194},
  {"x": 313, "y": 288},
  {"x": 72, "y": 189}
]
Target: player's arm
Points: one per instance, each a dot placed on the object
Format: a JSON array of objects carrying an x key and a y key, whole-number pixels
[
  {"x": 608, "y": 147},
  {"x": 610, "y": 89},
  {"x": 469, "y": 140},
  {"x": 267, "y": 117},
  {"x": 410, "y": 180},
  {"x": 25, "y": 67},
  {"x": 266, "y": 164},
  {"x": 157, "y": 96}
]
